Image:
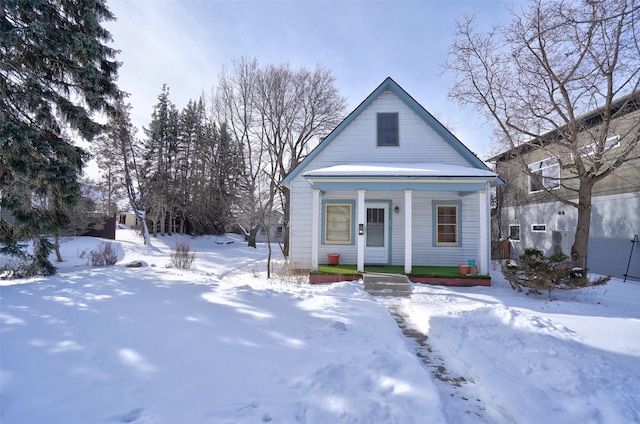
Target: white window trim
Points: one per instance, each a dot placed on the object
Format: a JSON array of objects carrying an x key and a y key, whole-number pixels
[
  {"x": 519, "y": 236},
  {"x": 538, "y": 225},
  {"x": 609, "y": 144},
  {"x": 541, "y": 166},
  {"x": 439, "y": 225},
  {"x": 457, "y": 204},
  {"x": 326, "y": 224}
]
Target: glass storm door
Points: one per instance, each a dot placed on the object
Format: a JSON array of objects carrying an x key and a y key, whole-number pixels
[{"x": 376, "y": 249}]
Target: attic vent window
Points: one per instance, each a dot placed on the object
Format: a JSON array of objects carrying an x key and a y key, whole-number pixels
[{"x": 387, "y": 129}]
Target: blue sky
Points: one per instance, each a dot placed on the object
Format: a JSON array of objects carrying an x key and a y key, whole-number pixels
[{"x": 185, "y": 44}]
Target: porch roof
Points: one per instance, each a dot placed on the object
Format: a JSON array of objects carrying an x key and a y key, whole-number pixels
[
  {"x": 400, "y": 170},
  {"x": 409, "y": 176}
]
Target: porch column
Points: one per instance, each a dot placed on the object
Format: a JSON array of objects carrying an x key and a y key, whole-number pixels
[
  {"x": 361, "y": 212},
  {"x": 315, "y": 228},
  {"x": 408, "y": 227},
  {"x": 483, "y": 241}
]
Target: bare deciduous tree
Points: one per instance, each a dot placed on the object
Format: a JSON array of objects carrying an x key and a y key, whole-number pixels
[
  {"x": 536, "y": 78},
  {"x": 276, "y": 114}
]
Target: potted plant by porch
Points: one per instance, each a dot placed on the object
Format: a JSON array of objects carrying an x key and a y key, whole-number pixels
[
  {"x": 473, "y": 269},
  {"x": 463, "y": 269},
  {"x": 333, "y": 259}
]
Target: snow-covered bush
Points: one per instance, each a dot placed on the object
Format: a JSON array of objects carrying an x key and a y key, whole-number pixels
[
  {"x": 182, "y": 257},
  {"x": 538, "y": 272},
  {"x": 13, "y": 267},
  {"x": 103, "y": 255}
]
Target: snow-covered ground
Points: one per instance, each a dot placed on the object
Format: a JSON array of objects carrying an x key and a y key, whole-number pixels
[{"x": 221, "y": 343}]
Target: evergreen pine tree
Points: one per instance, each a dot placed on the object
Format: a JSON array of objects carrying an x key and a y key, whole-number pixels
[
  {"x": 55, "y": 71},
  {"x": 159, "y": 160}
]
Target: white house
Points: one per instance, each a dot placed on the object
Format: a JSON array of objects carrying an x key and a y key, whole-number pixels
[{"x": 390, "y": 185}]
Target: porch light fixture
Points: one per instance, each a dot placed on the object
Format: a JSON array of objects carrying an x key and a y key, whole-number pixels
[{"x": 396, "y": 209}]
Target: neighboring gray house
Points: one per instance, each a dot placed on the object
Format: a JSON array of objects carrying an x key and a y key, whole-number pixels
[
  {"x": 390, "y": 185},
  {"x": 276, "y": 229},
  {"x": 529, "y": 217}
]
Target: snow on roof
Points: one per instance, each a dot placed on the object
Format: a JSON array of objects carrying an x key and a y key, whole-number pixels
[{"x": 399, "y": 170}]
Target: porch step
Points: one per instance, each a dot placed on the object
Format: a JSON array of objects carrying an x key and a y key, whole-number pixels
[{"x": 386, "y": 284}]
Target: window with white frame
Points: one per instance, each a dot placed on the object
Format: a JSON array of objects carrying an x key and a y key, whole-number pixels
[
  {"x": 338, "y": 223},
  {"x": 610, "y": 143},
  {"x": 447, "y": 223},
  {"x": 538, "y": 228},
  {"x": 514, "y": 232},
  {"x": 547, "y": 175}
]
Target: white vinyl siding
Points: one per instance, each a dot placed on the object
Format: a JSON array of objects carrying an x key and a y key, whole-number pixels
[
  {"x": 358, "y": 141},
  {"x": 423, "y": 251}
]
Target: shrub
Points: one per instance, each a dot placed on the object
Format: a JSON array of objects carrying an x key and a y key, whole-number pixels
[
  {"x": 182, "y": 257},
  {"x": 538, "y": 272},
  {"x": 13, "y": 268},
  {"x": 103, "y": 255},
  {"x": 290, "y": 274}
]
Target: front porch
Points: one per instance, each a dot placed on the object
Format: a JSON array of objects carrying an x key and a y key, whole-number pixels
[{"x": 435, "y": 275}]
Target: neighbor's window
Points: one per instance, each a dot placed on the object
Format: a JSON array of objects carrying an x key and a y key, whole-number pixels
[
  {"x": 539, "y": 228},
  {"x": 337, "y": 225},
  {"x": 514, "y": 232},
  {"x": 610, "y": 143},
  {"x": 548, "y": 175},
  {"x": 447, "y": 224},
  {"x": 387, "y": 129}
]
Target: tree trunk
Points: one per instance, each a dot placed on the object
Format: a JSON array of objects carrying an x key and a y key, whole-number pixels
[
  {"x": 142, "y": 218},
  {"x": 269, "y": 250},
  {"x": 251, "y": 240},
  {"x": 154, "y": 224},
  {"x": 580, "y": 246},
  {"x": 57, "y": 244},
  {"x": 163, "y": 221}
]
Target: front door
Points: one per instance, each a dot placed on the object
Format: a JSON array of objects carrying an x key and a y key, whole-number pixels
[{"x": 376, "y": 249}]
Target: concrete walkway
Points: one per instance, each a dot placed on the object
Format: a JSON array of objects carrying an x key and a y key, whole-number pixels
[
  {"x": 459, "y": 395},
  {"x": 386, "y": 284}
]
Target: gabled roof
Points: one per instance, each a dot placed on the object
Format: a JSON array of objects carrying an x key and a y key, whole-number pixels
[{"x": 390, "y": 84}]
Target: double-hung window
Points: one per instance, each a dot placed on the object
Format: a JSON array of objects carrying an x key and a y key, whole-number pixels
[
  {"x": 338, "y": 223},
  {"x": 514, "y": 232},
  {"x": 446, "y": 223},
  {"x": 387, "y": 129},
  {"x": 547, "y": 175}
]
